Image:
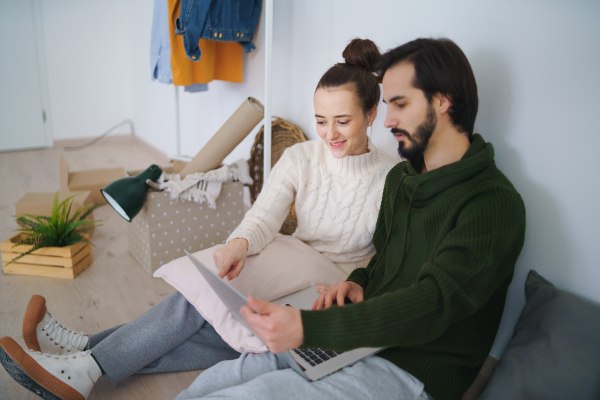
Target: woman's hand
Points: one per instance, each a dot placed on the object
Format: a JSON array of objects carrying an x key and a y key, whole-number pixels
[
  {"x": 230, "y": 259},
  {"x": 339, "y": 292}
]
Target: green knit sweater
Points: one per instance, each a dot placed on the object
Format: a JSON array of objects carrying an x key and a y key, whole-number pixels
[{"x": 447, "y": 242}]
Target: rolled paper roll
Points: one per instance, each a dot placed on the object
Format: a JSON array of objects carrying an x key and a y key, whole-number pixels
[{"x": 237, "y": 127}]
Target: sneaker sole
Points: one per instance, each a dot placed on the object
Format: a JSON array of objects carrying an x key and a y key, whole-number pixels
[
  {"x": 22, "y": 378},
  {"x": 36, "y": 310},
  {"x": 29, "y": 374}
]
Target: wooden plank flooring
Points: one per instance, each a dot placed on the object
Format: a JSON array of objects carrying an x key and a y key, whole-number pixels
[{"x": 111, "y": 291}]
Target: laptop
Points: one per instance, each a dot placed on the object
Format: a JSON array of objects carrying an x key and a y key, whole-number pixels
[{"x": 312, "y": 364}]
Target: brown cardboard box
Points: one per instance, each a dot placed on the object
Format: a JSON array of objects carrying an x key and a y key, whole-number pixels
[
  {"x": 41, "y": 203},
  {"x": 92, "y": 180},
  {"x": 165, "y": 227},
  {"x": 179, "y": 162},
  {"x": 167, "y": 169},
  {"x": 178, "y": 166},
  {"x": 172, "y": 168}
]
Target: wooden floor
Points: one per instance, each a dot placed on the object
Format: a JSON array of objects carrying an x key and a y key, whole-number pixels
[{"x": 112, "y": 291}]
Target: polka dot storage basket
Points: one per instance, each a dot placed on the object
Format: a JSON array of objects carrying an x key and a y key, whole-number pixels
[
  {"x": 165, "y": 227},
  {"x": 284, "y": 134}
]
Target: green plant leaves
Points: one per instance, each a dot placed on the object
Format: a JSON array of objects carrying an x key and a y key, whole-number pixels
[{"x": 57, "y": 230}]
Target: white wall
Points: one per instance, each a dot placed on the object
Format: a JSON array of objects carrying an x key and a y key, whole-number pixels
[
  {"x": 536, "y": 65},
  {"x": 87, "y": 56},
  {"x": 153, "y": 103}
]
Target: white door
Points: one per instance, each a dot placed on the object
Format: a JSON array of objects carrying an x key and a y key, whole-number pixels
[{"x": 22, "y": 114}]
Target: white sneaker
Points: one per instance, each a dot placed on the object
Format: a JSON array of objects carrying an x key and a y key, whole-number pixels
[
  {"x": 50, "y": 376},
  {"x": 42, "y": 332}
]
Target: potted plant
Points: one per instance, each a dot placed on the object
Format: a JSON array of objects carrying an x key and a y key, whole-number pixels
[{"x": 57, "y": 245}]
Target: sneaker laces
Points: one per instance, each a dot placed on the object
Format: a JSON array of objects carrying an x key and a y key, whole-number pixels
[{"x": 63, "y": 336}]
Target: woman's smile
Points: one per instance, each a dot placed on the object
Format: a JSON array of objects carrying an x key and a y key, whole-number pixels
[{"x": 336, "y": 145}]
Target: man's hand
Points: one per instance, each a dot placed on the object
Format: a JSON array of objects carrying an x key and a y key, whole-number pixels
[
  {"x": 339, "y": 292},
  {"x": 280, "y": 327},
  {"x": 230, "y": 259}
]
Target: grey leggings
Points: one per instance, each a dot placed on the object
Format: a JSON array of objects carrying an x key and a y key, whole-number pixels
[{"x": 171, "y": 336}]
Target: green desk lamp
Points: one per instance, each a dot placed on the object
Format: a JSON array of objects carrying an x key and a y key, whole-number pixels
[{"x": 127, "y": 195}]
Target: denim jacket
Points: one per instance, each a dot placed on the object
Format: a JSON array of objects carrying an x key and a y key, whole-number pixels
[{"x": 222, "y": 20}]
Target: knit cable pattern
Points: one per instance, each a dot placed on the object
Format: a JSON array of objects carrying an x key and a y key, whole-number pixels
[{"x": 337, "y": 202}]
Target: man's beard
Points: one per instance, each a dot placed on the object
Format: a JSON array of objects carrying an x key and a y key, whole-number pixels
[{"x": 419, "y": 139}]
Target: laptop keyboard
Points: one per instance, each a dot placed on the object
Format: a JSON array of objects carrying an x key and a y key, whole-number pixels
[{"x": 316, "y": 356}]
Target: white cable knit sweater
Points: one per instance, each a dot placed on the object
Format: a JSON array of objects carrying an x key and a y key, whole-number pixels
[{"x": 337, "y": 202}]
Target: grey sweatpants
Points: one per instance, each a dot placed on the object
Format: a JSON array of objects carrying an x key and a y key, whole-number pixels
[
  {"x": 171, "y": 336},
  {"x": 263, "y": 377}
]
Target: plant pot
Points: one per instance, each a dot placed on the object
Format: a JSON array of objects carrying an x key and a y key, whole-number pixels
[{"x": 56, "y": 262}]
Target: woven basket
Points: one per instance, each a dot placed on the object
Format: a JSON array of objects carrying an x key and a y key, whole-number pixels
[{"x": 283, "y": 135}]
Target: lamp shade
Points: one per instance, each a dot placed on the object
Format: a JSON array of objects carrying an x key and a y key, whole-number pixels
[{"x": 127, "y": 195}]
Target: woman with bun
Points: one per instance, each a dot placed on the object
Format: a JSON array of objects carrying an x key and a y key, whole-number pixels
[{"x": 336, "y": 183}]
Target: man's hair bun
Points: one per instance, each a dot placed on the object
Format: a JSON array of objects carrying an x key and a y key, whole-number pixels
[{"x": 362, "y": 53}]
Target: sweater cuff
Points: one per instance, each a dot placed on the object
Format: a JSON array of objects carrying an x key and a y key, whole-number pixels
[
  {"x": 312, "y": 324},
  {"x": 253, "y": 248},
  {"x": 360, "y": 277}
]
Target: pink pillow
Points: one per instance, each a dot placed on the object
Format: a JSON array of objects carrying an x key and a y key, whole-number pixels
[{"x": 284, "y": 266}]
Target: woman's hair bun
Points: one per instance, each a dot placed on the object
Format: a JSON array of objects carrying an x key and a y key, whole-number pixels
[
  {"x": 362, "y": 53},
  {"x": 362, "y": 59}
]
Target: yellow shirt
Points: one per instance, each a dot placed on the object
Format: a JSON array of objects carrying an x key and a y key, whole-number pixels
[{"x": 220, "y": 60}]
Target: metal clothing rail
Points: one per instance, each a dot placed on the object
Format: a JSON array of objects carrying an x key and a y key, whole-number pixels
[{"x": 268, "y": 75}]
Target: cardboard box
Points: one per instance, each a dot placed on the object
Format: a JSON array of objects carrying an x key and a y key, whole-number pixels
[
  {"x": 165, "y": 227},
  {"x": 92, "y": 180},
  {"x": 178, "y": 166},
  {"x": 172, "y": 168},
  {"x": 165, "y": 168},
  {"x": 179, "y": 162},
  {"x": 41, "y": 203}
]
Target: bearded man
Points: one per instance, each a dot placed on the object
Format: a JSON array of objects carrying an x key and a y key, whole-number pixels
[{"x": 449, "y": 232}]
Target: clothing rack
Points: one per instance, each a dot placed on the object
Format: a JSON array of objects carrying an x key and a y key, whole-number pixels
[
  {"x": 268, "y": 98},
  {"x": 268, "y": 68}
]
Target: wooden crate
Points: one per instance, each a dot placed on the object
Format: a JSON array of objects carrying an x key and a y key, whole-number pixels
[{"x": 56, "y": 262}]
